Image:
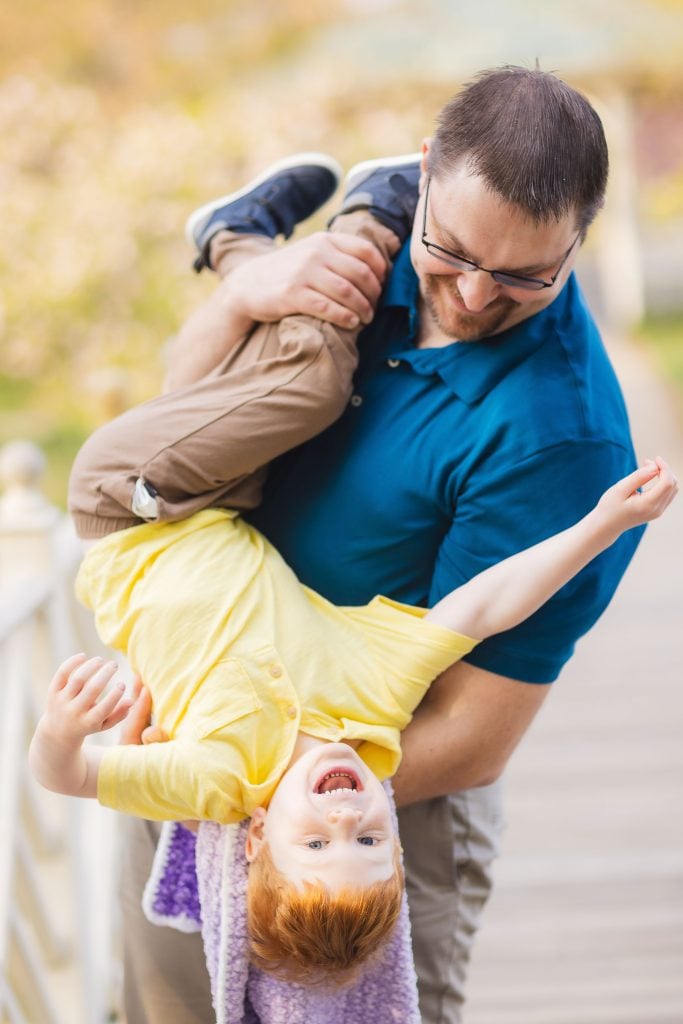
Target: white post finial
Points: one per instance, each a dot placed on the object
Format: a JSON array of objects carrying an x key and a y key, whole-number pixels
[
  {"x": 23, "y": 505},
  {"x": 28, "y": 522}
]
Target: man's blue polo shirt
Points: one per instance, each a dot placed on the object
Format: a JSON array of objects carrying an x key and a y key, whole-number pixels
[{"x": 449, "y": 459}]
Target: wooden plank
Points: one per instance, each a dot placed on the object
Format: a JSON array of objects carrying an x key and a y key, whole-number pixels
[{"x": 586, "y": 923}]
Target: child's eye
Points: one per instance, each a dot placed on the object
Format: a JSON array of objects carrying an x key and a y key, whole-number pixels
[
  {"x": 315, "y": 844},
  {"x": 367, "y": 840}
]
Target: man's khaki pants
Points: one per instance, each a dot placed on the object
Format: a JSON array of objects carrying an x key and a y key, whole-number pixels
[{"x": 449, "y": 844}]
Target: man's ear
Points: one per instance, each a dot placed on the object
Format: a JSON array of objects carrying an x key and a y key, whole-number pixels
[
  {"x": 255, "y": 839},
  {"x": 424, "y": 163}
]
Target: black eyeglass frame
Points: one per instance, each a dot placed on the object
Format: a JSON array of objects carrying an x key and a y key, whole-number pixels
[{"x": 502, "y": 277}]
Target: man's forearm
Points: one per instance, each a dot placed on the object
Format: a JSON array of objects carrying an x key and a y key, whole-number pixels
[{"x": 464, "y": 732}]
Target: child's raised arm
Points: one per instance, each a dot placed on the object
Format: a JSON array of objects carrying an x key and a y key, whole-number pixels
[
  {"x": 509, "y": 592},
  {"x": 77, "y": 706}
]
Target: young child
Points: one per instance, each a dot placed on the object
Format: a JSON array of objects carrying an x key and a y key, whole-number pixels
[{"x": 280, "y": 706}]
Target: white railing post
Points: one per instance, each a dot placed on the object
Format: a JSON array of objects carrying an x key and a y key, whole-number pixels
[
  {"x": 28, "y": 522},
  {"x": 55, "y": 853},
  {"x": 619, "y": 251}
]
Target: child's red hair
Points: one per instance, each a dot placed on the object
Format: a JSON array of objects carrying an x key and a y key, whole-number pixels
[{"x": 310, "y": 934}]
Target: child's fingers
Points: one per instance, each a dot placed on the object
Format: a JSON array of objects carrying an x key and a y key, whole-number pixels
[
  {"x": 666, "y": 474},
  {"x": 114, "y": 703},
  {"x": 653, "y": 500},
  {"x": 61, "y": 676},
  {"x": 95, "y": 686},
  {"x": 118, "y": 714},
  {"x": 80, "y": 676},
  {"x": 641, "y": 476},
  {"x": 664, "y": 481}
]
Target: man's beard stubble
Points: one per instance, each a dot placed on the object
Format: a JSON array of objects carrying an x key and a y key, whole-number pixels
[{"x": 463, "y": 326}]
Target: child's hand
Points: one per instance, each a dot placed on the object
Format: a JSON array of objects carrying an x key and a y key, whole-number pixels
[
  {"x": 77, "y": 704},
  {"x": 627, "y": 506}
]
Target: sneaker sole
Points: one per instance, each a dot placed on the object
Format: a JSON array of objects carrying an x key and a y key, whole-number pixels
[
  {"x": 298, "y": 160},
  {"x": 359, "y": 172}
]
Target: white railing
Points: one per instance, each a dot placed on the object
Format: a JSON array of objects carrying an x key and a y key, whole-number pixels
[{"x": 56, "y": 855}]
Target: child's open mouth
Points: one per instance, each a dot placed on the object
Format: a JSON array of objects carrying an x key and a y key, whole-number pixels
[{"x": 336, "y": 779}]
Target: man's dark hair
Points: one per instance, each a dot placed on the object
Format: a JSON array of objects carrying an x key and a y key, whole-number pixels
[{"x": 535, "y": 141}]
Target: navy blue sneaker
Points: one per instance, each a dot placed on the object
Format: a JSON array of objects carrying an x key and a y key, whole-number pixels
[
  {"x": 388, "y": 189},
  {"x": 287, "y": 192}
]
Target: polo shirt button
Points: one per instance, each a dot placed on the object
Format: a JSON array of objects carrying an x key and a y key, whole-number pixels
[
  {"x": 393, "y": 363},
  {"x": 291, "y": 711},
  {"x": 275, "y": 670},
  {"x": 356, "y": 400}
]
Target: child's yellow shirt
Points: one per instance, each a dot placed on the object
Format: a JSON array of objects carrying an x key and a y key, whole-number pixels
[{"x": 239, "y": 657}]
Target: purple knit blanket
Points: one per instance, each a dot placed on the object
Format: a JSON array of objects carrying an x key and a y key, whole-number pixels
[{"x": 199, "y": 884}]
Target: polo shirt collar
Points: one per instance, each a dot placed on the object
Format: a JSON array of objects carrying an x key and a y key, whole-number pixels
[
  {"x": 469, "y": 369},
  {"x": 401, "y": 294}
]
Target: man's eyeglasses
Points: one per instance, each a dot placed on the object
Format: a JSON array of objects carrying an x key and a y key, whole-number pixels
[{"x": 531, "y": 284}]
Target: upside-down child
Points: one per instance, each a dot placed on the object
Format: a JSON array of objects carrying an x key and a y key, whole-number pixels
[{"x": 281, "y": 707}]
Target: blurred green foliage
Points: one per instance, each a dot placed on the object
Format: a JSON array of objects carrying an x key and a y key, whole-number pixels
[
  {"x": 664, "y": 336},
  {"x": 117, "y": 118}
]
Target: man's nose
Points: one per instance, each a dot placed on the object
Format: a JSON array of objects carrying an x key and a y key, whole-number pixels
[
  {"x": 344, "y": 818},
  {"x": 477, "y": 289}
]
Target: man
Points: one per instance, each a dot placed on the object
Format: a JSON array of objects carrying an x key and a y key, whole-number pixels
[{"x": 482, "y": 384}]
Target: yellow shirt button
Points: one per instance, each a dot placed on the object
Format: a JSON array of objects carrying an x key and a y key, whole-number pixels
[
  {"x": 275, "y": 671},
  {"x": 291, "y": 711},
  {"x": 356, "y": 400}
]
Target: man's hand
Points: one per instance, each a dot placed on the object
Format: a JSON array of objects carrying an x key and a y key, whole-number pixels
[
  {"x": 137, "y": 729},
  {"x": 334, "y": 277}
]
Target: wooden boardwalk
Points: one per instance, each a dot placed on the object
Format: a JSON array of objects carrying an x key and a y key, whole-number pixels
[{"x": 586, "y": 923}]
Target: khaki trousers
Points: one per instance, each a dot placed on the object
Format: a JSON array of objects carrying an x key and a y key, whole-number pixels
[
  {"x": 449, "y": 844},
  {"x": 208, "y": 445}
]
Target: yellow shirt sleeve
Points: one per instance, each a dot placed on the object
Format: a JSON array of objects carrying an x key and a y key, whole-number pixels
[
  {"x": 174, "y": 781},
  {"x": 410, "y": 650}
]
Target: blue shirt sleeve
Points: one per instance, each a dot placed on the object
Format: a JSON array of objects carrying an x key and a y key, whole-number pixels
[{"x": 504, "y": 512}]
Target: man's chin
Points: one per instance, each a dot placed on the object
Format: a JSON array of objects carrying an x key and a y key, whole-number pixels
[{"x": 467, "y": 326}]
